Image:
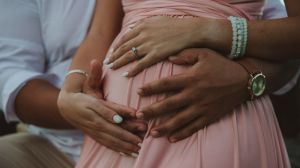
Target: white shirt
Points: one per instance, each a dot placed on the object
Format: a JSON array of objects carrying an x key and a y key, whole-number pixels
[{"x": 37, "y": 40}]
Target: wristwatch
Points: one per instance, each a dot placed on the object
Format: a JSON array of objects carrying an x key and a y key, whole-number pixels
[{"x": 257, "y": 80}]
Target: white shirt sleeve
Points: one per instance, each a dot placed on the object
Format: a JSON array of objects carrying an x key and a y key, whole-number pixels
[
  {"x": 22, "y": 55},
  {"x": 274, "y": 9}
]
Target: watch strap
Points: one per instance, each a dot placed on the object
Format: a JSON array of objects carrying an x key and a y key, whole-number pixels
[{"x": 252, "y": 70}]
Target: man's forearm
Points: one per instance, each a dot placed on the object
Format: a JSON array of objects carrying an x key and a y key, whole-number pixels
[{"x": 36, "y": 104}]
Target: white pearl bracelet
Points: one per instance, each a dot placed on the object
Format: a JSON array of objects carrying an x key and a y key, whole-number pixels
[
  {"x": 77, "y": 71},
  {"x": 239, "y": 37}
]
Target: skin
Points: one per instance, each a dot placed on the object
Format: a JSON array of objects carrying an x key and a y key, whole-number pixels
[
  {"x": 91, "y": 113},
  {"x": 187, "y": 97},
  {"x": 103, "y": 31},
  {"x": 90, "y": 122},
  {"x": 94, "y": 116},
  {"x": 193, "y": 111},
  {"x": 159, "y": 37},
  {"x": 30, "y": 103}
]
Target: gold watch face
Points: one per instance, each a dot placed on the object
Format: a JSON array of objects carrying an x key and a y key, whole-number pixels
[{"x": 258, "y": 84}]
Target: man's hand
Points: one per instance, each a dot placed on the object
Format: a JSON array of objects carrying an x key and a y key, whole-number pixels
[
  {"x": 207, "y": 91},
  {"x": 95, "y": 116}
]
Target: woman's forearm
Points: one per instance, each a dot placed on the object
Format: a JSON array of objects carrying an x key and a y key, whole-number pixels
[
  {"x": 277, "y": 39},
  {"x": 105, "y": 25},
  {"x": 267, "y": 39},
  {"x": 274, "y": 39}
]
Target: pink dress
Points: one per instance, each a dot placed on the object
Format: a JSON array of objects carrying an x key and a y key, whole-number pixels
[{"x": 249, "y": 138}]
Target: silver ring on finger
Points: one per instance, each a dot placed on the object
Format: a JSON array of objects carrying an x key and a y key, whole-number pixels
[{"x": 134, "y": 50}]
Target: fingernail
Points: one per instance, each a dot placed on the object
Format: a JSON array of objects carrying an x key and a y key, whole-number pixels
[
  {"x": 131, "y": 27},
  {"x": 106, "y": 61},
  {"x": 140, "y": 115},
  {"x": 110, "y": 65},
  {"x": 142, "y": 128},
  {"x": 140, "y": 91},
  {"x": 154, "y": 133},
  {"x": 140, "y": 144},
  {"x": 135, "y": 155},
  {"x": 172, "y": 58},
  {"x": 124, "y": 74},
  {"x": 123, "y": 154},
  {"x": 117, "y": 119},
  {"x": 172, "y": 139},
  {"x": 110, "y": 52}
]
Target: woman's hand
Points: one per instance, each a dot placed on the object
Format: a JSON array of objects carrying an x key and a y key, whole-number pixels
[
  {"x": 95, "y": 117},
  {"x": 203, "y": 94},
  {"x": 157, "y": 38}
]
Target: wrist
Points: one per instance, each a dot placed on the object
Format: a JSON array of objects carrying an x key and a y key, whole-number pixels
[
  {"x": 243, "y": 78},
  {"x": 256, "y": 84},
  {"x": 74, "y": 83},
  {"x": 214, "y": 34}
]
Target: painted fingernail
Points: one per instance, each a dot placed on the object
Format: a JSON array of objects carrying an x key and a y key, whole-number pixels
[
  {"x": 131, "y": 26},
  {"x": 124, "y": 74},
  {"x": 110, "y": 52},
  {"x": 117, "y": 119},
  {"x": 110, "y": 65},
  {"x": 154, "y": 133},
  {"x": 135, "y": 155},
  {"x": 140, "y": 115},
  {"x": 106, "y": 61},
  {"x": 123, "y": 154}
]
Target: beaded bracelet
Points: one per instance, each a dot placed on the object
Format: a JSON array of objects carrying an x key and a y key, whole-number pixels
[{"x": 239, "y": 37}]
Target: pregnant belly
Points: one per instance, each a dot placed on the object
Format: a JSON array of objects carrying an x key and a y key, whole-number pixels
[{"x": 123, "y": 90}]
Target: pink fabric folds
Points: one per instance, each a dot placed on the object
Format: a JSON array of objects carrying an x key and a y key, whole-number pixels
[{"x": 248, "y": 138}]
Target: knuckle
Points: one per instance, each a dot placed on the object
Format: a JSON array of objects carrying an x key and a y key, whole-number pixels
[
  {"x": 125, "y": 46},
  {"x": 168, "y": 127},
  {"x": 179, "y": 120},
  {"x": 143, "y": 37},
  {"x": 98, "y": 125},
  {"x": 122, "y": 134},
  {"x": 174, "y": 123},
  {"x": 93, "y": 104},
  {"x": 167, "y": 103},
  {"x": 129, "y": 57},
  {"x": 114, "y": 143},
  {"x": 122, "y": 49},
  {"x": 154, "y": 52},
  {"x": 106, "y": 114},
  {"x": 150, "y": 112}
]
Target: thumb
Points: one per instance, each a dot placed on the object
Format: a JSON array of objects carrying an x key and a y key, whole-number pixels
[
  {"x": 186, "y": 57},
  {"x": 93, "y": 82}
]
